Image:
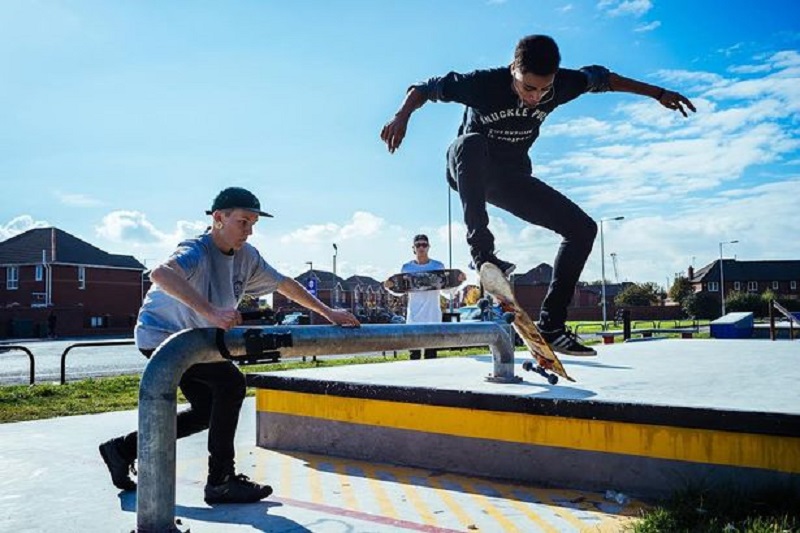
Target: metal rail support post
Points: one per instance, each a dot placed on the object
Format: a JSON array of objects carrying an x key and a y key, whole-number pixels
[{"x": 155, "y": 506}]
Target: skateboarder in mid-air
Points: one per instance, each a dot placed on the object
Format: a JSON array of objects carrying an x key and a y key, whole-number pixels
[{"x": 489, "y": 160}]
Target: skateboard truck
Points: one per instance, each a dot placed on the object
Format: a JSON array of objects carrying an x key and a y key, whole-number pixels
[{"x": 531, "y": 366}]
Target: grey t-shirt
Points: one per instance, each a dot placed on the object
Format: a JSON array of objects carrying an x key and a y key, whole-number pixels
[{"x": 223, "y": 279}]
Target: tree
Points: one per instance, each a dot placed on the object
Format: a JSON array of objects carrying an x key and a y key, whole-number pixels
[
  {"x": 701, "y": 305},
  {"x": 681, "y": 288},
  {"x": 640, "y": 294}
]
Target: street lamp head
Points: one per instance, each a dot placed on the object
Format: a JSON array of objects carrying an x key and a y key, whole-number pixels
[{"x": 618, "y": 218}]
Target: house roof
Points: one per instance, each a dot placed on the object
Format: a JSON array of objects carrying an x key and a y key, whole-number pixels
[
  {"x": 539, "y": 275},
  {"x": 364, "y": 281},
  {"x": 325, "y": 280},
  {"x": 778, "y": 270},
  {"x": 612, "y": 289},
  {"x": 60, "y": 247}
]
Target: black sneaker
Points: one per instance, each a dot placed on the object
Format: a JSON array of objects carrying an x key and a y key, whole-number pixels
[
  {"x": 564, "y": 341},
  {"x": 119, "y": 467},
  {"x": 481, "y": 258},
  {"x": 236, "y": 489}
]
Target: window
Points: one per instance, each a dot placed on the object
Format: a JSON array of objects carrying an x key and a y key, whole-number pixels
[
  {"x": 81, "y": 277},
  {"x": 793, "y": 285},
  {"x": 775, "y": 285},
  {"x": 752, "y": 286},
  {"x": 737, "y": 286},
  {"x": 39, "y": 272},
  {"x": 713, "y": 286},
  {"x": 12, "y": 278},
  {"x": 38, "y": 299}
]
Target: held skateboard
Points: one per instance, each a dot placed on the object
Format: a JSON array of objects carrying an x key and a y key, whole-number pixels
[
  {"x": 495, "y": 283},
  {"x": 430, "y": 280}
]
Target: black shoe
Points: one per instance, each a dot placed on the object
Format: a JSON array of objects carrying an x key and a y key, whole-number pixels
[
  {"x": 481, "y": 258},
  {"x": 236, "y": 489},
  {"x": 564, "y": 341},
  {"x": 119, "y": 467}
]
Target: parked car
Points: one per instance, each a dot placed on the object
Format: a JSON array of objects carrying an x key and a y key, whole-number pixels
[
  {"x": 293, "y": 319},
  {"x": 472, "y": 313}
]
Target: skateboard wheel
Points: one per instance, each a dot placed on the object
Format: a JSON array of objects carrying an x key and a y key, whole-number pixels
[
  {"x": 508, "y": 318},
  {"x": 483, "y": 304},
  {"x": 527, "y": 366},
  {"x": 552, "y": 379}
]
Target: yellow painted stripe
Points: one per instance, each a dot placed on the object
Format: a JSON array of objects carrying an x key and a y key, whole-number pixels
[
  {"x": 412, "y": 495},
  {"x": 661, "y": 442},
  {"x": 384, "y": 503},
  {"x": 315, "y": 481},
  {"x": 564, "y": 512},
  {"x": 461, "y": 515},
  {"x": 346, "y": 482},
  {"x": 486, "y": 505}
]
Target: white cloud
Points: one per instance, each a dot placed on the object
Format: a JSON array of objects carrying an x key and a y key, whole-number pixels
[
  {"x": 20, "y": 224},
  {"x": 648, "y": 27},
  {"x": 565, "y": 8},
  {"x": 617, "y": 8},
  {"x": 77, "y": 199},
  {"x": 362, "y": 224}
]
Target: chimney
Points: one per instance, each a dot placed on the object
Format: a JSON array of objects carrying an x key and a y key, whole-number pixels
[
  {"x": 690, "y": 272},
  {"x": 52, "y": 245}
]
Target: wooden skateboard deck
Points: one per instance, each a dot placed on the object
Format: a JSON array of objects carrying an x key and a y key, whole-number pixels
[
  {"x": 496, "y": 284},
  {"x": 429, "y": 280}
]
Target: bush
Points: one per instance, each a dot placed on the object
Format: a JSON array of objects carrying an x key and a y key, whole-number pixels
[
  {"x": 747, "y": 302},
  {"x": 701, "y": 305}
]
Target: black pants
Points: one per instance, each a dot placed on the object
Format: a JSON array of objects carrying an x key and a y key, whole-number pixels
[
  {"x": 429, "y": 353},
  {"x": 479, "y": 178},
  {"x": 215, "y": 392}
]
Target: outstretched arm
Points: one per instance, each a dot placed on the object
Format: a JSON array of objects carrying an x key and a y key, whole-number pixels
[
  {"x": 294, "y": 291},
  {"x": 669, "y": 99},
  {"x": 395, "y": 130}
]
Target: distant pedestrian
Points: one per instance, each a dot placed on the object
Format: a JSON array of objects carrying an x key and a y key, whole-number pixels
[
  {"x": 201, "y": 286},
  {"x": 423, "y": 307}
]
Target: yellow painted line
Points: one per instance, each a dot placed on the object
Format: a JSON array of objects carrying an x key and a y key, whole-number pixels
[
  {"x": 485, "y": 504},
  {"x": 376, "y": 485},
  {"x": 565, "y": 513},
  {"x": 461, "y": 515},
  {"x": 346, "y": 483},
  {"x": 660, "y": 442},
  {"x": 525, "y": 508},
  {"x": 286, "y": 475},
  {"x": 412, "y": 495},
  {"x": 315, "y": 482}
]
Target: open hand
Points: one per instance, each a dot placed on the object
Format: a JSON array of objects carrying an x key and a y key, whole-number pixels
[
  {"x": 343, "y": 318},
  {"x": 394, "y": 131},
  {"x": 676, "y": 102}
]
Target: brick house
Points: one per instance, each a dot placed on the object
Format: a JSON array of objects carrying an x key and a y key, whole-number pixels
[
  {"x": 364, "y": 296},
  {"x": 49, "y": 271},
  {"x": 780, "y": 276}
]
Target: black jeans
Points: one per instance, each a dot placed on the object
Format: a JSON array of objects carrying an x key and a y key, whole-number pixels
[
  {"x": 215, "y": 392},
  {"x": 479, "y": 178}
]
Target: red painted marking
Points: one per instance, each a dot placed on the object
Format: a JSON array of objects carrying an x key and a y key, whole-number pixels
[{"x": 367, "y": 517}]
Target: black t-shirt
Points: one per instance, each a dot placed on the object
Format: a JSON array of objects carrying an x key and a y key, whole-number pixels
[{"x": 494, "y": 109}]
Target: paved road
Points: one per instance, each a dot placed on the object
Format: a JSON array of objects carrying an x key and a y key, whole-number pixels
[{"x": 81, "y": 363}]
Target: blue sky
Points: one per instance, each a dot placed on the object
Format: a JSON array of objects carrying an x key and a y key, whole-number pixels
[{"x": 121, "y": 120}]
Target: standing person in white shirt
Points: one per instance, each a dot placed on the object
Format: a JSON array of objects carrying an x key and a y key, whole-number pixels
[{"x": 423, "y": 306}]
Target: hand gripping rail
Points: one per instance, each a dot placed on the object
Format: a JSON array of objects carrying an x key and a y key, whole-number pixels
[{"x": 155, "y": 507}]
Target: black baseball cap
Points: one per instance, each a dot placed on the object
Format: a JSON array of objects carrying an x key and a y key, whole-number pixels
[
  {"x": 237, "y": 198},
  {"x": 420, "y": 238}
]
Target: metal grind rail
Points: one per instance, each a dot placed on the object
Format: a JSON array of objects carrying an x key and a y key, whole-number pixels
[
  {"x": 8, "y": 347},
  {"x": 86, "y": 345},
  {"x": 775, "y": 306},
  {"x": 155, "y": 499}
]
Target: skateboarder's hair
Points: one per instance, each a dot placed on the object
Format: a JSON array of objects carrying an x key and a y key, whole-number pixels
[{"x": 537, "y": 54}]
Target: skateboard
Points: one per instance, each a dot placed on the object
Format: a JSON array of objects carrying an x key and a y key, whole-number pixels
[
  {"x": 495, "y": 283},
  {"x": 430, "y": 280}
]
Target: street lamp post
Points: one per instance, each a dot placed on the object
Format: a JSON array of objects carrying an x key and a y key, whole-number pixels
[
  {"x": 335, "y": 253},
  {"x": 722, "y": 276},
  {"x": 603, "y": 267}
]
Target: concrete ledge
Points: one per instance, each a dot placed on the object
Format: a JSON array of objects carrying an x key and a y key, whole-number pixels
[{"x": 644, "y": 419}]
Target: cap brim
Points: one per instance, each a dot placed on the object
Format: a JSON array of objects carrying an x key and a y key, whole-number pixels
[{"x": 259, "y": 213}]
